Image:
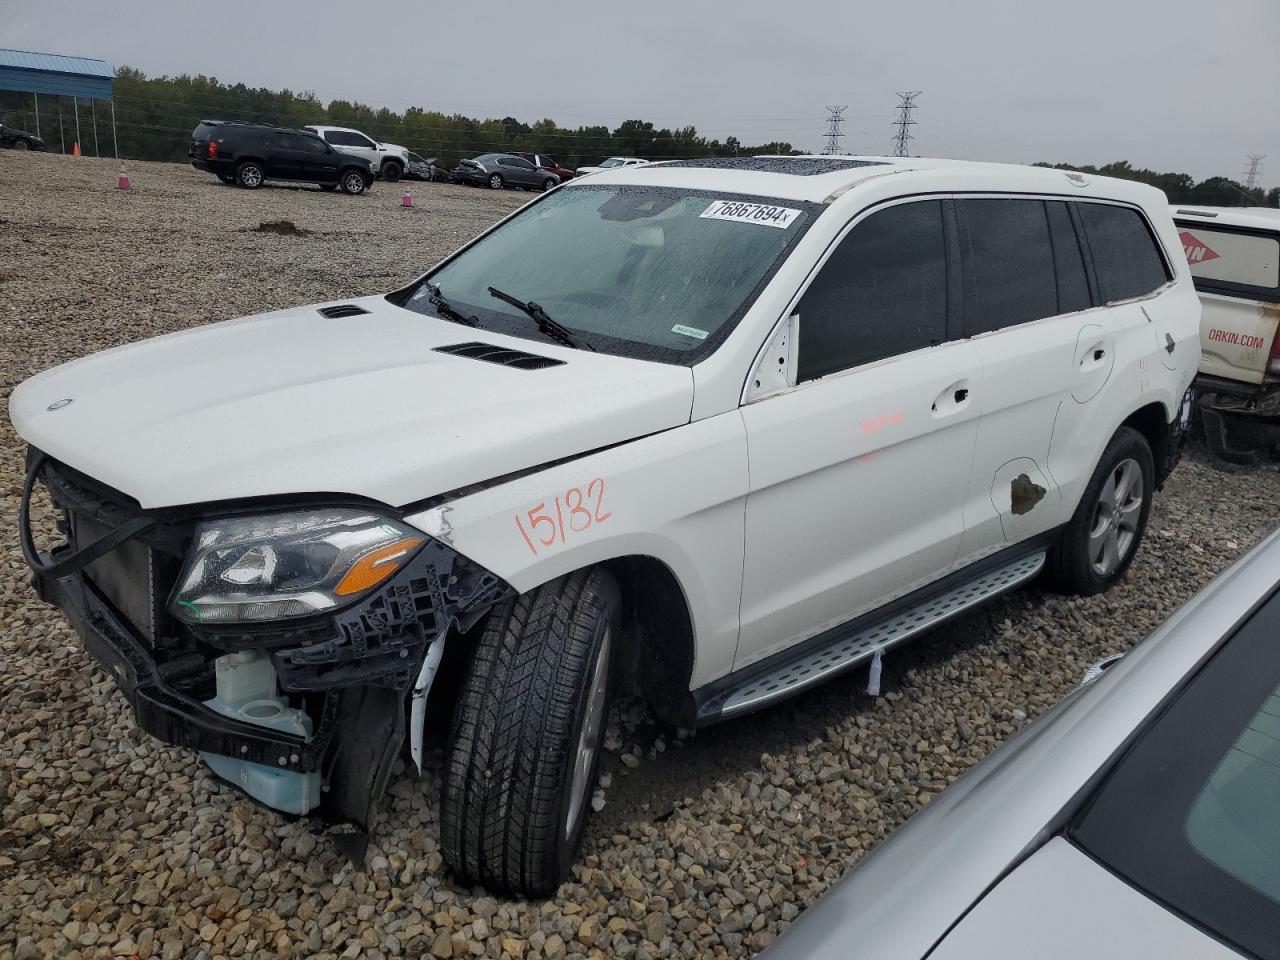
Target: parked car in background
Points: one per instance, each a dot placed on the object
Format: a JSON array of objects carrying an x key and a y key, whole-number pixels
[
  {"x": 250, "y": 154},
  {"x": 612, "y": 163},
  {"x": 903, "y": 386},
  {"x": 1137, "y": 818},
  {"x": 548, "y": 163},
  {"x": 424, "y": 169},
  {"x": 389, "y": 160},
  {"x": 19, "y": 139},
  {"x": 499, "y": 170},
  {"x": 1234, "y": 253}
]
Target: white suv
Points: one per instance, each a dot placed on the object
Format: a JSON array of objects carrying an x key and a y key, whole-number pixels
[
  {"x": 711, "y": 430},
  {"x": 389, "y": 160}
]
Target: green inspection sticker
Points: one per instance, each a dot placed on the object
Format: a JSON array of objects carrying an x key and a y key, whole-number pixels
[{"x": 689, "y": 331}]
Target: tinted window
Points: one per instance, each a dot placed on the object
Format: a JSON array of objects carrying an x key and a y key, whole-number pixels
[
  {"x": 1008, "y": 263},
  {"x": 286, "y": 141},
  {"x": 883, "y": 292},
  {"x": 1125, "y": 256},
  {"x": 1192, "y": 812},
  {"x": 312, "y": 144},
  {"x": 1073, "y": 286}
]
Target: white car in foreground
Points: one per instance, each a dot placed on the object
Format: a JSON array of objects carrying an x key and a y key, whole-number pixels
[
  {"x": 612, "y": 163},
  {"x": 1138, "y": 818},
  {"x": 715, "y": 433},
  {"x": 389, "y": 160}
]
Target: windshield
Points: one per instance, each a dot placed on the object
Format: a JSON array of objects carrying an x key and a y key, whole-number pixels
[
  {"x": 653, "y": 273},
  {"x": 612, "y": 162},
  {"x": 1192, "y": 813}
]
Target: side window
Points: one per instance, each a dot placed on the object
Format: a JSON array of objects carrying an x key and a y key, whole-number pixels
[
  {"x": 286, "y": 141},
  {"x": 313, "y": 145},
  {"x": 359, "y": 140},
  {"x": 882, "y": 292},
  {"x": 1231, "y": 262},
  {"x": 1125, "y": 255},
  {"x": 1068, "y": 261},
  {"x": 1008, "y": 263},
  {"x": 335, "y": 137}
]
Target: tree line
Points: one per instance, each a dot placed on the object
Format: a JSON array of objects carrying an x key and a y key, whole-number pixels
[{"x": 155, "y": 117}]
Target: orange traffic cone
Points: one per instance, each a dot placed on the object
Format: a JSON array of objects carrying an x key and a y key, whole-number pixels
[
  {"x": 123, "y": 183},
  {"x": 407, "y": 201},
  {"x": 75, "y": 149}
]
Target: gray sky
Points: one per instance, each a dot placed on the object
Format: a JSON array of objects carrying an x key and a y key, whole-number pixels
[{"x": 1189, "y": 85}]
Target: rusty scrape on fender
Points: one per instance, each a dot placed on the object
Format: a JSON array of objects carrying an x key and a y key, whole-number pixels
[{"x": 1024, "y": 494}]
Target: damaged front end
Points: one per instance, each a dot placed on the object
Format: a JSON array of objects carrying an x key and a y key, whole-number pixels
[{"x": 283, "y": 641}]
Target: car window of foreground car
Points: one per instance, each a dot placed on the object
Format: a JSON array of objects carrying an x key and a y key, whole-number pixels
[
  {"x": 1192, "y": 814},
  {"x": 656, "y": 274}
]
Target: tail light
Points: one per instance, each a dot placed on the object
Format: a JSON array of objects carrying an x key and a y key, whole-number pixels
[{"x": 213, "y": 149}]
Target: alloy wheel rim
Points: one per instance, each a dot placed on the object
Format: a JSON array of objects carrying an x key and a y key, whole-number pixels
[
  {"x": 1115, "y": 518},
  {"x": 590, "y": 738},
  {"x": 495, "y": 182},
  {"x": 353, "y": 183},
  {"x": 252, "y": 176}
]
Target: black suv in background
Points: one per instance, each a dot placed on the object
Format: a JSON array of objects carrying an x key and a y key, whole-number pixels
[{"x": 251, "y": 153}]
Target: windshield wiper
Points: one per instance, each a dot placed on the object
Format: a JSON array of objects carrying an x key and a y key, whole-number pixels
[
  {"x": 555, "y": 331},
  {"x": 446, "y": 309}
]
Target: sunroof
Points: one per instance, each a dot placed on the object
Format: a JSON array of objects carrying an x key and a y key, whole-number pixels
[{"x": 796, "y": 166}]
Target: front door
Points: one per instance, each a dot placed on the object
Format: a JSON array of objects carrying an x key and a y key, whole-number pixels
[{"x": 858, "y": 472}]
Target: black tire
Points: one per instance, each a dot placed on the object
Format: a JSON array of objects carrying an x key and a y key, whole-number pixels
[
  {"x": 353, "y": 182},
  {"x": 226, "y": 178},
  {"x": 548, "y": 184},
  {"x": 21, "y": 145},
  {"x": 510, "y": 769},
  {"x": 250, "y": 175},
  {"x": 496, "y": 182},
  {"x": 328, "y": 187},
  {"x": 1071, "y": 565},
  {"x": 392, "y": 171}
]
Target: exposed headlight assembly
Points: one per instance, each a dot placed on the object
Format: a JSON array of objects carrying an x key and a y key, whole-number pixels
[{"x": 275, "y": 566}]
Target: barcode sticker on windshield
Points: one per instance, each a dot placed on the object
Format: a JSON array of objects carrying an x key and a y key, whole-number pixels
[{"x": 761, "y": 213}]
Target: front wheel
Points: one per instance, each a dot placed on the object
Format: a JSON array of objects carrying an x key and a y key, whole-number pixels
[
  {"x": 527, "y": 734},
  {"x": 547, "y": 184},
  {"x": 353, "y": 182},
  {"x": 1102, "y": 537},
  {"x": 391, "y": 172},
  {"x": 495, "y": 182},
  {"x": 21, "y": 145}
]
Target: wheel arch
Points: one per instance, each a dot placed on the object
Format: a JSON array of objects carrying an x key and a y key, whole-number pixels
[{"x": 1152, "y": 421}]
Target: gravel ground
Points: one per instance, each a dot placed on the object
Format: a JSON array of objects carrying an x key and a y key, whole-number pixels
[{"x": 112, "y": 844}]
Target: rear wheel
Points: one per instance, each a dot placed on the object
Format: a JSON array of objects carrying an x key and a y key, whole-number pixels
[
  {"x": 495, "y": 181},
  {"x": 249, "y": 175},
  {"x": 392, "y": 171},
  {"x": 527, "y": 733},
  {"x": 353, "y": 182},
  {"x": 21, "y": 145},
  {"x": 1102, "y": 538}
]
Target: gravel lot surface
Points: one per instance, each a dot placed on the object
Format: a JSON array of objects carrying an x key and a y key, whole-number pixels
[{"x": 112, "y": 844}]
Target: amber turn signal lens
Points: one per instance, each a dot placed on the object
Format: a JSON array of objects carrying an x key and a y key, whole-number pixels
[{"x": 374, "y": 567}]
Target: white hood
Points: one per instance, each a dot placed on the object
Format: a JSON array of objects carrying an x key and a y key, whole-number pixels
[{"x": 293, "y": 402}]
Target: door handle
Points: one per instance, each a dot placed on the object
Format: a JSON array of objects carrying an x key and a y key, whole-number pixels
[
  {"x": 962, "y": 394},
  {"x": 1099, "y": 354},
  {"x": 952, "y": 400}
]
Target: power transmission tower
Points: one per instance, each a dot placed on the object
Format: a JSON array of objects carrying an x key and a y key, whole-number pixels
[
  {"x": 1254, "y": 173},
  {"x": 834, "y": 134},
  {"x": 904, "y": 123}
]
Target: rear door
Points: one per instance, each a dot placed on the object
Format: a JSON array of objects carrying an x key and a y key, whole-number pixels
[
  {"x": 1237, "y": 274},
  {"x": 1044, "y": 351},
  {"x": 518, "y": 171},
  {"x": 858, "y": 472},
  {"x": 284, "y": 156}
]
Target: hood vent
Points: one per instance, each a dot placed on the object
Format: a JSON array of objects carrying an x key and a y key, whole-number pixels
[
  {"x": 341, "y": 310},
  {"x": 503, "y": 356}
]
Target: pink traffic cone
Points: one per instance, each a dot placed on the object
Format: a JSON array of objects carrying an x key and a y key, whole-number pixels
[
  {"x": 407, "y": 201},
  {"x": 123, "y": 182}
]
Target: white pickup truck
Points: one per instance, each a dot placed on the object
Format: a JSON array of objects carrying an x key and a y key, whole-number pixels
[
  {"x": 1234, "y": 255},
  {"x": 389, "y": 160}
]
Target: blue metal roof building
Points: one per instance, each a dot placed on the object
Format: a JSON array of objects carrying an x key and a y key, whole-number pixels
[
  {"x": 80, "y": 78},
  {"x": 55, "y": 74}
]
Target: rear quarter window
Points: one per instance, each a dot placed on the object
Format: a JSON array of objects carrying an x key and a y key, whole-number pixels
[
  {"x": 1126, "y": 256},
  {"x": 203, "y": 131}
]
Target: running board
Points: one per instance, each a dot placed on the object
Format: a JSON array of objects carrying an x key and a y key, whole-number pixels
[{"x": 847, "y": 649}]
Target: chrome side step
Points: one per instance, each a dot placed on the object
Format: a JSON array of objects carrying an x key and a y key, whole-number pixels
[{"x": 848, "y": 650}]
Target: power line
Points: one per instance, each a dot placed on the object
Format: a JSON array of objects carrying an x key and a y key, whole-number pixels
[
  {"x": 904, "y": 123},
  {"x": 835, "y": 133},
  {"x": 1253, "y": 174}
]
